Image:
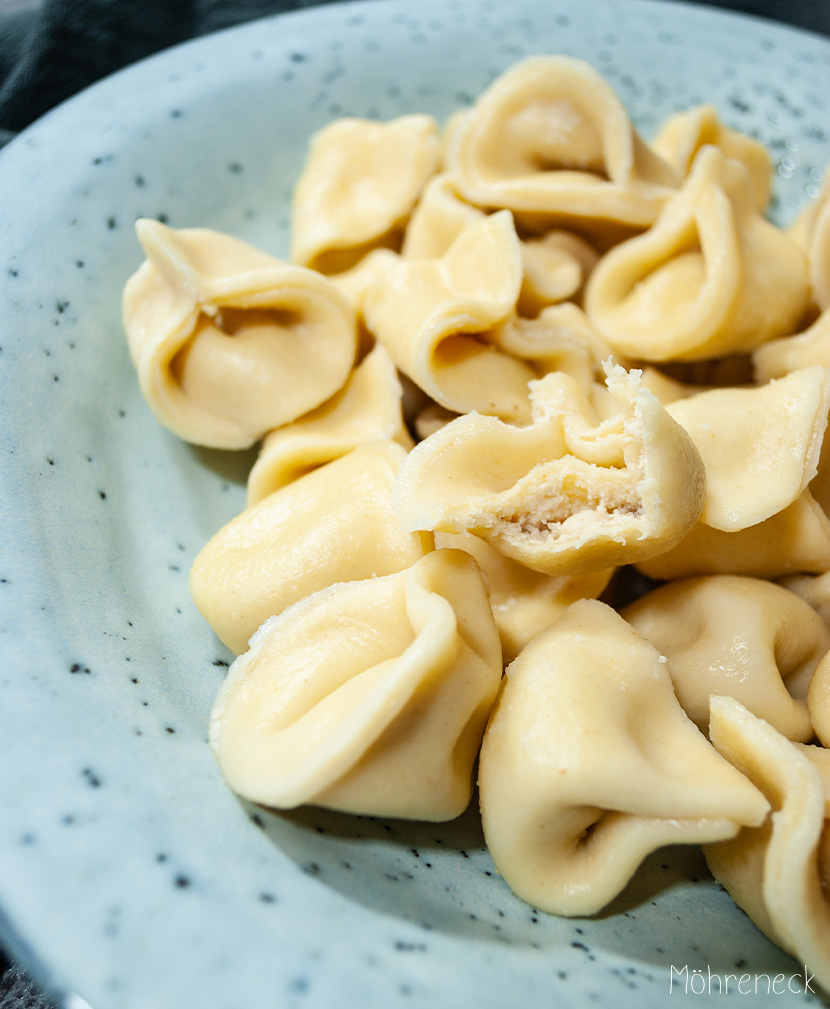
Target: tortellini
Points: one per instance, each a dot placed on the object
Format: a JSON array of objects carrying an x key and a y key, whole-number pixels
[
  {"x": 811, "y": 231},
  {"x": 711, "y": 277},
  {"x": 229, "y": 342},
  {"x": 569, "y": 494},
  {"x": 801, "y": 350},
  {"x": 760, "y": 446},
  {"x": 738, "y": 637},
  {"x": 333, "y": 524},
  {"x": 367, "y": 409},
  {"x": 589, "y": 763},
  {"x": 524, "y": 601},
  {"x": 515, "y": 372},
  {"x": 434, "y": 315},
  {"x": 359, "y": 187},
  {"x": 795, "y": 539},
  {"x": 778, "y": 871},
  {"x": 683, "y": 134},
  {"x": 369, "y": 696},
  {"x": 551, "y": 141}
]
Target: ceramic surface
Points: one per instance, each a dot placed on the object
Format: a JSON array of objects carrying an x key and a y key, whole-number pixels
[{"x": 128, "y": 872}]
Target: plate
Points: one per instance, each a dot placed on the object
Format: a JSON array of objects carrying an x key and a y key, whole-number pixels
[{"x": 128, "y": 872}]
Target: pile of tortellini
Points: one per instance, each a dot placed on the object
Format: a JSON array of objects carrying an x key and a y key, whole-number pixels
[{"x": 511, "y": 367}]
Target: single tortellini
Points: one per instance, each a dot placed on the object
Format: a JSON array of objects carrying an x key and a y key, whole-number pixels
[
  {"x": 788, "y": 353},
  {"x": 358, "y": 188},
  {"x": 738, "y": 637},
  {"x": 569, "y": 494},
  {"x": 367, "y": 409},
  {"x": 796, "y": 539},
  {"x": 683, "y": 134},
  {"x": 550, "y": 140},
  {"x": 811, "y": 231},
  {"x": 228, "y": 342},
  {"x": 778, "y": 871},
  {"x": 589, "y": 764},
  {"x": 369, "y": 697},
  {"x": 434, "y": 316},
  {"x": 710, "y": 278},
  {"x": 331, "y": 525},
  {"x": 524, "y": 601},
  {"x": 760, "y": 445}
]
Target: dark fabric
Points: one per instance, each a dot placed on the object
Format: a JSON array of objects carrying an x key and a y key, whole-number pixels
[
  {"x": 49, "y": 53},
  {"x": 53, "y": 51}
]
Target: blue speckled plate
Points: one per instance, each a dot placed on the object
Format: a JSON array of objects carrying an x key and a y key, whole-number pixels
[{"x": 128, "y": 872}]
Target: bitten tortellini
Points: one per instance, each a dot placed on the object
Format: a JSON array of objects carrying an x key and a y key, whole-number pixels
[
  {"x": 567, "y": 494},
  {"x": 519, "y": 369}
]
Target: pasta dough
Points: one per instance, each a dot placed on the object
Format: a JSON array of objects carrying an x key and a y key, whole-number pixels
[
  {"x": 333, "y": 524},
  {"x": 683, "y": 134},
  {"x": 710, "y": 278},
  {"x": 434, "y": 316},
  {"x": 229, "y": 342},
  {"x": 737, "y": 637},
  {"x": 524, "y": 602},
  {"x": 367, "y": 409},
  {"x": 796, "y": 539},
  {"x": 760, "y": 446},
  {"x": 358, "y": 188},
  {"x": 788, "y": 353},
  {"x": 368, "y": 697},
  {"x": 567, "y": 495},
  {"x": 812, "y": 232},
  {"x": 550, "y": 139},
  {"x": 778, "y": 872},
  {"x": 589, "y": 763}
]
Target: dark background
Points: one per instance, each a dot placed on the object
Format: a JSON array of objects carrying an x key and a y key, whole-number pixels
[{"x": 50, "y": 49}]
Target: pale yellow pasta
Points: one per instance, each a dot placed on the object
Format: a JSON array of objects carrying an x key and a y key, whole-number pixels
[
  {"x": 796, "y": 539},
  {"x": 369, "y": 697},
  {"x": 229, "y": 342},
  {"x": 710, "y": 278},
  {"x": 438, "y": 219},
  {"x": 434, "y": 316},
  {"x": 778, "y": 871},
  {"x": 556, "y": 267},
  {"x": 551, "y": 140},
  {"x": 367, "y": 409},
  {"x": 334, "y": 524},
  {"x": 760, "y": 446},
  {"x": 682, "y": 135},
  {"x": 811, "y": 231},
  {"x": 561, "y": 338},
  {"x": 496, "y": 290},
  {"x": 815, "y": 589},
  {"x": 524, "y": 601},
  {"x": 356, "y": 282},
  {"x": 737, "y": 637},
  {"x": 788, "y": 353},
  {"x": 589, "y": 763},
  {"x": 568, "y": 494},
  {"x": 818, "y": 700},
  {"x": 359, "y": 186}
]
